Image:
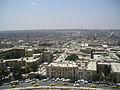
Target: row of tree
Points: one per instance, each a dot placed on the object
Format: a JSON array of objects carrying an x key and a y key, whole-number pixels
[
  {"x": 16, "y": 70},
  {"x": 99, "y": 77},
  {"x": 105, "y": 75}
]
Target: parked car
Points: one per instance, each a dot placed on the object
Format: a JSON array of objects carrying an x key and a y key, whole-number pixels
[
  {"x": 36, "y": 84},
  {"x": 85, "y": 82},
  {"x": 76, "y": 85},
  {"x": 96, "y": 82},
  {"x": 53, "y": 79},
  {"x": 44, "y": 80},
  {"x": 114, "y": 86},
  {"x": 52, "y": 84},
  {"x": 93, "y": 86},
  {"x": 78, "y": 81},
  {"x": 118, "y": 84},
  {"x": 65, "y": 83},
  {"x": 56, "y": 80},
  {"x": 33, "y": 82},
  {"x": 105, "y": 85},
  {"x": 62, "y": 79},
  {"x": 7, "y": 83},
  {"x": 15, "y": 82},
  {"x": 28, "y": 80},
  {"x": 13, "y": 86}
]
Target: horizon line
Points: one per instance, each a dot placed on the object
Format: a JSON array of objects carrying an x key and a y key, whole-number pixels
[{"x": 55, "y": 29}]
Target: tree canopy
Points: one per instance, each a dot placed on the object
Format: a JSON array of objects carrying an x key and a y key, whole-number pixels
[
  {"x": 16, "y": 70},
  {"x": 38, "y": 51},
  {"x": 31, "y": 67},
  {"x": 72, "y": 57},
  {"x": 3, "y": 72}
]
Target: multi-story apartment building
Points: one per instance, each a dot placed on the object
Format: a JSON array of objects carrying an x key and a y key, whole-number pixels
[
  {"x": 62, "y": 69},
  {"x": 10, "y": 62},
  {"x": 70, "y": 69},
  {"x": 12, "y": 53}
]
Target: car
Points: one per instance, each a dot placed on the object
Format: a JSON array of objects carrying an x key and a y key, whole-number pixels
[
  {"x": 36, "y": 84},
  {"x": 52, "y": 84},
  {"x": 13, "y": 86},
  {"x": 7, "y": 83},
  {"x": 93, "y": 86},
  {"x": 28, "y": 80},
  {"x": 96, "y": 82},
  {"x": 67, "y": 80},
  {"x": 81, "y": 80},
  {"x": 118, "y": 84},
  {"x": 56, "y": 80},
  {"x": 85, "y": 82},
  {"x": 114, "y": 86},
  {"x": 78, "y": 81},
  {"x": 62, "y": 79},
  {"x": 105, "y": 85},
  {"x": 76, "y": 85},
  {"x": 47, "y": 79},
  {"x": 65, "y": 83},
  {"x": 44, "y": 80},
  {"x": 53, "y": 79},
  {"x": 33, "y": 82},
  {"x": 15, "y": 82}
]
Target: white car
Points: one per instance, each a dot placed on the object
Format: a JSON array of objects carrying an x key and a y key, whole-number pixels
[
  {"x": 78, "y": 81},
  {"x": 67, "y": 80},
  {"x": 56, "y": 80},
  {"x": 44, "y": 80},
  {"x": 85, "y": 82},
  {"x": 53, "y": 79},
  {"x": 28, "y": 80},
  {"x": 76, "y": 85},
  {"x": 82, "y": 80},
  {"x": 48, "y": 79}
]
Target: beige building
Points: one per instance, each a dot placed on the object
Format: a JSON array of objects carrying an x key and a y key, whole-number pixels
[
  {"x": 29, "y": 52},
  {"x": 115, "y": 68},
  {"x": 64, "y": 69},
  {"x": 11, "y": 53},
  {"x": 70, "y": 69}
]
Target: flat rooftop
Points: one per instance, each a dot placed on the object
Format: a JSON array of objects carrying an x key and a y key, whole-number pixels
[
  {"x": 30, "y": 59},
  {"x": 63, "y": 64},
  {"x": 7, "y": 49},
  {"x": 115, "y": 67},
  {"x": 92, "y": 66}
]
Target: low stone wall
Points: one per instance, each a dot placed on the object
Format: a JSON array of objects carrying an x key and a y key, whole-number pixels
[{"x": 56, "y": 88}]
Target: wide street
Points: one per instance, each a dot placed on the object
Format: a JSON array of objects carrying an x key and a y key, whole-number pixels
[{"x": 58, "y": 83}]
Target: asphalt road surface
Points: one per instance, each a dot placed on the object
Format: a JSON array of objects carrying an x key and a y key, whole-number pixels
[{"x": 58, "y": 83}]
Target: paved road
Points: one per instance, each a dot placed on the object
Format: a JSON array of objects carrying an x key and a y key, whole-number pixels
[{"x": 58, "y": 83}]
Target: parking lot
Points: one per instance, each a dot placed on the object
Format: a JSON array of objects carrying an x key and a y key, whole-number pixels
[{"x": 44, "y": 82}]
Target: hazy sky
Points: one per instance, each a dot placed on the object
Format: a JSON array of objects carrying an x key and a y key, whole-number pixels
[{"x": 59, "y": 14}]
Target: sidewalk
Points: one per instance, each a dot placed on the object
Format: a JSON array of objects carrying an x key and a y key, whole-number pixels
[{"x": 56, "y": 88}]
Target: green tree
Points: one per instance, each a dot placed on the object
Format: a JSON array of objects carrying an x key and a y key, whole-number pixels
[
  {"x": 27, "y": 69},
  {"x": 96, "y": 77},
  {"x": 31, "y": 67},
  {"x": 107, "y": 70},
  {"x": 72, "y": 57},
  {"x": 113, "y": 77},
  {"x": 16, "y": 70},
  {"x": 34, "y": 66},
  {"x": 38, "y": 51},
  {"x": 3, "y": 72}
]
